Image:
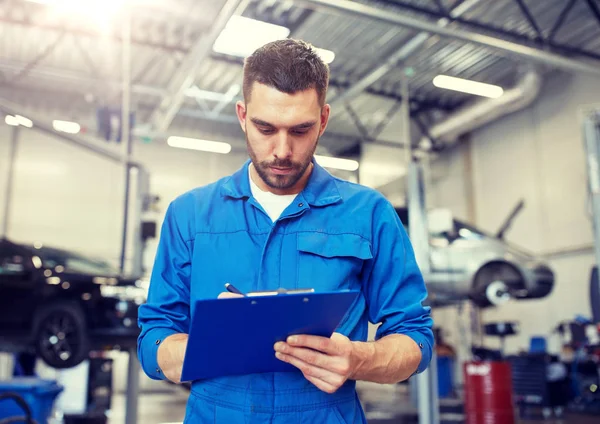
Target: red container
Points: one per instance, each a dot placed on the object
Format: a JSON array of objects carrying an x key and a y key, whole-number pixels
[{"x": 488, "y": 393}]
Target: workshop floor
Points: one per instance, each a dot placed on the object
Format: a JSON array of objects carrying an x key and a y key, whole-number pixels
[{"x": 168, "y": 407}]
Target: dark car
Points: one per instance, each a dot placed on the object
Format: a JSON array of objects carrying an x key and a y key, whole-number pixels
[{"x": 64, "y": 304}]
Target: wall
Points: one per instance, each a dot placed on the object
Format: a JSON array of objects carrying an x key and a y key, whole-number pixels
[
  {"x": 70, "y": 198},
  {"x": 536, "y": 155},
  {"x": 67, "y": 197}
]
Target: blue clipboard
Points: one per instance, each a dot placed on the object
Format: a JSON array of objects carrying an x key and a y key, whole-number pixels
[{"x": 236, "y": 336}]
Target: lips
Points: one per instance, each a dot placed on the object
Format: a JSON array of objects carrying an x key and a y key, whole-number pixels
[{"x": 281, "y": 171}]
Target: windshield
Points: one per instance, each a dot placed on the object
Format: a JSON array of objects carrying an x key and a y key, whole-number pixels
[
  {"x": 461, "y": 229},
  {"x": 71, "y": 262},
  {"x": 468, "y": 232}
]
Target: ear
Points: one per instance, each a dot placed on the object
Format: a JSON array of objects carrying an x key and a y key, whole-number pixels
[
  {"x": 325, "y": 111},
  {"x": 240, "y": 110}
]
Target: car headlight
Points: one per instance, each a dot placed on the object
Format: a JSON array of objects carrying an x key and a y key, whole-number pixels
[{"x": 132, "y": 293}]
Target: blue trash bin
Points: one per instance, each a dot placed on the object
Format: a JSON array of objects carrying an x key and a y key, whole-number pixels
[{"x": 39, "y": 394}]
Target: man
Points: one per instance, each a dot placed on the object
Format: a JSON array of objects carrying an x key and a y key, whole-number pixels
[{"x": 283, "y": 221}]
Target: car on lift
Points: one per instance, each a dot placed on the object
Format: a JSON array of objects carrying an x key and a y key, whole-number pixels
[
  {"x": 63, "y": 305},
  {"x": 467, "y": 263}
]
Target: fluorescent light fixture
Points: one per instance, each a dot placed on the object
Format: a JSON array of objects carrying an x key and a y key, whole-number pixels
[
  {"x": 197, "y": 144},
  {"x": 337, "y": 163},
  {"x": 241, "y": 36},
  {"x": 327, "y": 56},
  {"x": 11, "y": 120},
  {"x": 467, "y": 86},
  {"x": 26, "y": 122},
  {"x": 66, "y": 126}
]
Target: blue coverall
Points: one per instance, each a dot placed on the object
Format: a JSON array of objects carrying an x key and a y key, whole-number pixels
[{"x": 335, "y": 235}]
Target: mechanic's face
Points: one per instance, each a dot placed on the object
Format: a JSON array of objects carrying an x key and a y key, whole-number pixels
[{"x": 282, "y": 133}]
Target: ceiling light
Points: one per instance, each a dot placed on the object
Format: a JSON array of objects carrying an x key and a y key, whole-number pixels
[
  {"x": 326, "y": 56},
  {"x": 66, "y": 126},
  {"x": 11, "y": 120},
  {"x": 467, "y": 86},
  {"x": 337, "y": 163},
  {"x": 242, "y": 36},
  {"x": 197, "y": 144},
  {"x": 26, "y": 122}
]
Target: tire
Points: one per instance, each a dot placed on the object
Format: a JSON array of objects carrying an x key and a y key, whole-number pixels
[
  {"x": 492, "y": 284},
  {"x": 60, "y": 335}
]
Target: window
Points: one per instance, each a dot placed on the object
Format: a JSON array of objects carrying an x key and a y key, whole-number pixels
[
  {"x": 71, "y": 262},
  {"x": 11, "y": 263}
]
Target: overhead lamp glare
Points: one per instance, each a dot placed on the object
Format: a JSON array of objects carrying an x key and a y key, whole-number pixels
[
  {"x": 26, "y": 122},
  {"x": 198, "y": 144},
  {"x": 66, "y": 126},
  {"x": 241, "y": 36},
  {"x": 337, "y": 163},
  {"x": 468, "y": 86},
  {"x": 11, "y": 120}
]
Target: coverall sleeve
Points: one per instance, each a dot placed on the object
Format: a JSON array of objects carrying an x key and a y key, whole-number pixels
[
  {"x": 167, "y": 308},
  {"x": 394, "y": 286}
]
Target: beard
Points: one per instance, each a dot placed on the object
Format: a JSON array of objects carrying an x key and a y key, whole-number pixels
[{"x": 280, "y": 182}]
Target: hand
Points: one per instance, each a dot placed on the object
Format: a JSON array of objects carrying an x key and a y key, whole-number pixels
[
  {"x": 170, "y": 356},
  {"x": 325, "y": 362}
]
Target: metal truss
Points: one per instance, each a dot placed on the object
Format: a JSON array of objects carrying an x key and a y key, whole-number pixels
[{"x": 438, "y": 11}]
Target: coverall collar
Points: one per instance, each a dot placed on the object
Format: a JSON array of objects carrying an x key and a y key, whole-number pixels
[{"x": 321, "y": 188}]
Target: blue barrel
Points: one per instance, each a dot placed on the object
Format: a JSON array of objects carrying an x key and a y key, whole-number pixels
[{"x": 37, "y": 393}]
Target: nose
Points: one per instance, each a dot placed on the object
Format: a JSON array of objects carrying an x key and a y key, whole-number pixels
[{"x": 283, "y": 146}]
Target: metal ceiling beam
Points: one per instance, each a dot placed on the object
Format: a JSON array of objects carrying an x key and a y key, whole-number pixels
[
  {"x": 532, "y": 54},
  {"x": 85, "y": 141},
  {"x": 92, "y": 34},
  {"x": 496, "y": 31},
  {"x": 403, "y": 52},
  {"x": 184, "y": 77},
  {"x": 527, "y": 13}
]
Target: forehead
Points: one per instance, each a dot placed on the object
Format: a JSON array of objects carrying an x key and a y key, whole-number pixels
[{"x": 278, "y": 108}]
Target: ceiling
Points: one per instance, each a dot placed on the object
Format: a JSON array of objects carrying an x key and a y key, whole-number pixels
[{"x": 74, "y": 64}]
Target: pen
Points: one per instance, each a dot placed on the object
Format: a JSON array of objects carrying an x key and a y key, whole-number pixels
[{"x": 232, "y": 289}]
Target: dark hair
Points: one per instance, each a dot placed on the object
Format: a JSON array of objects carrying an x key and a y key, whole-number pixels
[{"x": 289, "y": 66}]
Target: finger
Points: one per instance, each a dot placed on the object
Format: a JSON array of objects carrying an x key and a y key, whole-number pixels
[
  {"x": 322, "y": 344},
  {"x": 323, "y": 385},
  {"x": 309, "y": 356},
  {"x": 228, "y": 295},
  {"x": 312, "y": 371}
]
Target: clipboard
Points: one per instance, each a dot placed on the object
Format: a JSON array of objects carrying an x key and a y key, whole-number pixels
[{"x": 236, "y": 336}]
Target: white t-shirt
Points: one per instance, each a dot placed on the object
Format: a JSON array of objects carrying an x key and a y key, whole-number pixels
[{"x": 273, "y": 204}]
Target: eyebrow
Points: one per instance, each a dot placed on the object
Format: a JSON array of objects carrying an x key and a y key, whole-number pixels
[{"x": 304, "y": 125}]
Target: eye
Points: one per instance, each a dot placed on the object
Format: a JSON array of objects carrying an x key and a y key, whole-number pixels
[
  {"x": 266, "y": 131},
  {"x": 299, "y": 132}
]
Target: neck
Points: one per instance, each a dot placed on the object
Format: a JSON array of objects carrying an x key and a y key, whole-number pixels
[{"x": 297, "y": 188}]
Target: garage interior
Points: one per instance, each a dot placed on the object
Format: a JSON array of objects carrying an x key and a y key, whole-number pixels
[{"x": 479, "y": 120}]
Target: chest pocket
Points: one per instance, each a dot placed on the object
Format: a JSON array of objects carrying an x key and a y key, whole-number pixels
[{"x": 331, "y": 262}]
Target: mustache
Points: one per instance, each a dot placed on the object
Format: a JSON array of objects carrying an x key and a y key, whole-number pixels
[{"x": 281, "y": 163}]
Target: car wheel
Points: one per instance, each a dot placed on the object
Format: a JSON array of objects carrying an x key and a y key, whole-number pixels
[
  {"x": 493, "y": 284},
  {"x": 61, "y": 337},
  {"x": 494, "y": 293}
]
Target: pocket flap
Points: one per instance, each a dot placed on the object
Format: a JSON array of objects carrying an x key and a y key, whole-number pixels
[{"x": 335, "y": 245}]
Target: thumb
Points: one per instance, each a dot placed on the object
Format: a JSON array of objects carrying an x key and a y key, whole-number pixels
[{"x": 339, "y": 337}]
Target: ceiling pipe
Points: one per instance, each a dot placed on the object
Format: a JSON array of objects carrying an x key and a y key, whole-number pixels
[{"x": 480, "y": 113}]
